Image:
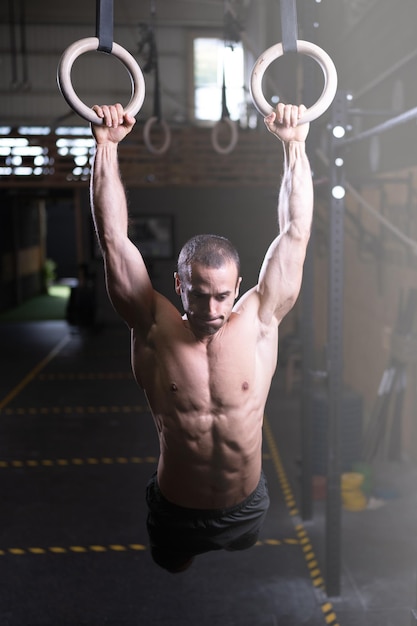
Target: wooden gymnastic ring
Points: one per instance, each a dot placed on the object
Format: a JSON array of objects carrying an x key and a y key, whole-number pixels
[
  {"x": 303, "y": 47},
  {"x": 147, "y": 135},
  {"x": 64, "y": 78},
  {"x": 233, "y": 137}
]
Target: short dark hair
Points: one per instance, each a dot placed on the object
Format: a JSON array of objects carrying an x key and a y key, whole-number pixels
[{"x": 208, "y": 250}]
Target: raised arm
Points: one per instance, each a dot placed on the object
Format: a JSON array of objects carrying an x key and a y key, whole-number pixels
[
  {"x": 281, "y": 273},
  {"x": 128, "y": 283}
]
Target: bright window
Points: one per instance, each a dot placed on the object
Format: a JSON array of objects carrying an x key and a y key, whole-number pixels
[{"x": 211, "y": 56}]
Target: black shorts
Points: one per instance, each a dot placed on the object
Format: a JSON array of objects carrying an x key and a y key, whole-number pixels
[{"x": 177, "y": 534}]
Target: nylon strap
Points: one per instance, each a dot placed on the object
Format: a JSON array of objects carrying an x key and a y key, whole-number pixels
[
  {"x": 225, "y": 110},
  {"x": 104, "y": 25},
  {"x": 157, "y": 94},
  {"x": 154, "y": 62},
  {"x": 289, "y": 25}
]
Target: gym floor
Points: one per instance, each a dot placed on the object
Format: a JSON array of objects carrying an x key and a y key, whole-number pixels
[{"x": 77, "y": 447}]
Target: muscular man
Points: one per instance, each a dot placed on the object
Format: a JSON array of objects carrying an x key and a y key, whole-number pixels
[{"x": 207, "y": 373}]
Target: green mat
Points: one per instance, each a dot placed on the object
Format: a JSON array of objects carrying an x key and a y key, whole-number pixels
[{"x": 50, "y": 306}]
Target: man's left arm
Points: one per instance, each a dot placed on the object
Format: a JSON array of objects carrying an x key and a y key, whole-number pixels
[{"x": 281, "y": 273}]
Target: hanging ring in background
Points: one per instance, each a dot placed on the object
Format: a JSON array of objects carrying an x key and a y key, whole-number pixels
[
  {"x": 64, "y": 78},
  {"x": 233, "y": 136},
  {"x": 147, "y": 135},
  {"x": 303, "y": 47}
]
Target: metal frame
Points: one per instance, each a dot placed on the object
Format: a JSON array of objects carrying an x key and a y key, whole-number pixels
[
  {"x": 308, "y": 18},
  {"x": 381, "y": 128},
  {"x": 335, "y": 359}
]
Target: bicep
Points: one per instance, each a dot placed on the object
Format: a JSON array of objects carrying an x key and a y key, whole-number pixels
[
  {"x": 128, "y": 284},
  {"x": 281, "y": 276}
]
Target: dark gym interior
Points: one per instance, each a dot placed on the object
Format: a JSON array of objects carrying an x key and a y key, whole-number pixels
[{"x": 78, "y": 442}]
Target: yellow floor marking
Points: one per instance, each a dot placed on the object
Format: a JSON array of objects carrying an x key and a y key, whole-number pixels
[
  {"x": 57, "y": 550},
  {"x": 37, "y": 550},
  {"x": 78, "y": 549},
  {"x": 113, "y": 547},
  {"x": 38, "y": 368},
  {"x": 120, "y": 460},
  {"x": 87, "y": 376},
  {"x": 80, "y": 410},
  {"x": 118, "y": 548},
  {"x": 97, "y": 548},
  {"x": 303, "y": 539}
]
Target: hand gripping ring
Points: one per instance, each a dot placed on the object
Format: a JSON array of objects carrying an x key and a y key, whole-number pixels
[
  {"x": 147, "y": 135},
  {"x": 64, "y": 78},
  {"x": 311, "y": 50},
  {"x": 233, "y": 136}
]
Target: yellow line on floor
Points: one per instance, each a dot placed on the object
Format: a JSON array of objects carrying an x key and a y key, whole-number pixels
[
  {"x": 119, "y": 460},
  {"x": 104, "y": 460},
  {"x": 303, "y": 538},
  {"x": 72, "y": 549},
  {"x": 289, "y": 541},
  {"x": 87, "y": 376},
  {"x": 69, "y": 410},
  {"x": 115, "y": 547},
  {"x": 38, "y": 368}
]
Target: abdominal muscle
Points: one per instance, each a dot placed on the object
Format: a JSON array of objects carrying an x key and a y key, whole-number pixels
[{"x": 209, "y": 461}]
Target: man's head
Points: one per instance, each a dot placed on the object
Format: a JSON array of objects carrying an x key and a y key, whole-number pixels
[
  {"x": 208, "y": 250},
  {"x": 208, "y": 281}
]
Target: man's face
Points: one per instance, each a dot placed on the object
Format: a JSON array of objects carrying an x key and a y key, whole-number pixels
[{"x": 208, "y": 295}]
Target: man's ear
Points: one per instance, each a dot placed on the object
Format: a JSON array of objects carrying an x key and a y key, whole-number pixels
[{"x": 177, "y": 283}]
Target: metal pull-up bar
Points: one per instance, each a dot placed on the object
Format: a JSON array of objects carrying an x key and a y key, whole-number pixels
[{"x": 381, "y": 128}]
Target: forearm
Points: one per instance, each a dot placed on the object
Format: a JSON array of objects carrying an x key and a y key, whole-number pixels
[
  {"x": 295, "y": 206},
  {"x": 107, "y": 194}
]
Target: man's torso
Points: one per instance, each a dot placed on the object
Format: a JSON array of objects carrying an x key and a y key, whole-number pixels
[{"x": 207, "y": 400}]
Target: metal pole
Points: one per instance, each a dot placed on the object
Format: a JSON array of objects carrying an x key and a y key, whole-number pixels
[
  {"x": 335, "y": 357},
  {"x": 381, "y": 128},
  {"x": 307, "y": 340},
  {"x": 413, "y": 621},
  {"x": 79, "y": 235},
  {"x": 17, "y": 265},
  {"x": 308, "y": 17}
]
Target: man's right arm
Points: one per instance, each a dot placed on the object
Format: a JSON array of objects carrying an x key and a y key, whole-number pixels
[{"x": 128, "y": 283}]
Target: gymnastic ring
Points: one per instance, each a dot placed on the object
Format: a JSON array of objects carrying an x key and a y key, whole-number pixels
[
  {"x": 233, "y": 136},
  {"x": 147, "y": 135},
  {"x": 303, "y": 47},
  {"x": 64, "y": 78}
]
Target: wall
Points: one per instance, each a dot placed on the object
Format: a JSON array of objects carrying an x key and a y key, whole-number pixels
[
  {"x": 21, "y": 247},
  {"x": 246, "y": 216},
  {"x": 380, "y": 271}
]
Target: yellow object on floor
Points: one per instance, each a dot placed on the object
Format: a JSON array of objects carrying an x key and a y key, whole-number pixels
[{"x": 353, "y": 498}]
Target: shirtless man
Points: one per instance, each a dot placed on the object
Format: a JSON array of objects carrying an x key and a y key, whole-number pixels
[{"x": 206, "y": 374}]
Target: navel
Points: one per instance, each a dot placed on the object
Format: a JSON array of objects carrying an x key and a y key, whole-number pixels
[
  {"x": 245, "y": 385},
  {"x": 174, "y": 387}
]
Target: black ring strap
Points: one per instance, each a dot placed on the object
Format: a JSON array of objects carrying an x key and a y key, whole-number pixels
[
  {"x": 289, "y": 25},
  {"x": 104, "y": 25}
]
